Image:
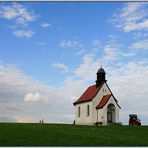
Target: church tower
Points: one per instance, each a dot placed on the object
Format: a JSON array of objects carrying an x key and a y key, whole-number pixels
[{"x": 100, "y": 77}]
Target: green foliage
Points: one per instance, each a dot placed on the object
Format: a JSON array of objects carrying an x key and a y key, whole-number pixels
[{"x": 14, "y": 134}]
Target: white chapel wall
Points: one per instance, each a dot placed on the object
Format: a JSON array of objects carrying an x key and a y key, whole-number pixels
[
  {"x": 100, "y": 115},
  {"x": 84, "y": 119}
]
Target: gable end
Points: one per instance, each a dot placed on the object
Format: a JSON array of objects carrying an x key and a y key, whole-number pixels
[
  {"x": 113, "y": 95},
  {"x": 89, "y": 94}
]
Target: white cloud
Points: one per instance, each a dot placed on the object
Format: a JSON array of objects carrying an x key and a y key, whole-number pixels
[
  {"x": 23, "y": 119},
  {"x": 96, "y": 42},
  {"x": 96, "y": 45},
  {"x": 140, "y": 34},
  {"x": 15, "y": 84},
  {"x": 7, "y": 118},
  {"x": 23, "y": 33},
  {"x": 69, "y": 44},
  {"x": 143, "y": 44},
  {"x": 129, "y": 53},
  {"x": 89, "y": 66},
  {"x": 129, "y": 84},
  {"x": 74, "y": 44},
  {"x": 41, "y": 43},
  {"x": 18, "y": 12},
  {"x": 61, "y": 66},
  {"x": 111, "y": 52},
  {"x": 45, "y": 25},
  {"x": 20, "y": 17},
  {"x": 8, "y": 12},
  {"x": 73, "y": 88},
  {"x": 132, "y": 16},
  {"x": 34, "y": 97},
  {"x": 114, "y": 51},
  {"x": 41, "y": 100}
]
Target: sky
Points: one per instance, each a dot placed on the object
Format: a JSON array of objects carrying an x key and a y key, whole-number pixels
[{"x": 50, "y": 53}]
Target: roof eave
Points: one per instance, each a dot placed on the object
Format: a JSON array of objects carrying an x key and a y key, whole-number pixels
[
  {"x": 75, "y": 103},
  {"x": 104, "y": 104},
  {"x": 99, "y": 107}
]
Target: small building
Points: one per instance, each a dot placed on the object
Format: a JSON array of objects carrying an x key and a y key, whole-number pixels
[{"x": 97, "y": 105}]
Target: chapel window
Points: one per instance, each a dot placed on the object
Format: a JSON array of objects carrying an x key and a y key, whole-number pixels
[
  {"x": 79, "y": 110},
  {"x": 88, "y": 110}
]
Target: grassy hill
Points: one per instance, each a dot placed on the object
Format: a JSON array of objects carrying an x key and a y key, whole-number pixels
[{"x": 14, "y": 134}]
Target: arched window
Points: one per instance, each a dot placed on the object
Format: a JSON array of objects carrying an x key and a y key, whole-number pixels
[
  {"x": 88, "y": 110},
  {"x": 79, "y": 110}
]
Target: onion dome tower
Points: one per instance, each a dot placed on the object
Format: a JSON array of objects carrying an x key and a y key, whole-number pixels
[{"x": 100, "y": 76}]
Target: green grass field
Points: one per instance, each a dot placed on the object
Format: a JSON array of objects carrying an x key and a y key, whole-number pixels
[{"x": 14, "y": 134}]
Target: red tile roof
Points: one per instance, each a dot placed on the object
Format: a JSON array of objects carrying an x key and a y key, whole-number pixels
[
  {"x": 103, "y": 101},
  {"x": 89, "y": 94}
]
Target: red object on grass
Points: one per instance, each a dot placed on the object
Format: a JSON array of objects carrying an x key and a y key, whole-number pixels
[{"x": 133, "y": 120}]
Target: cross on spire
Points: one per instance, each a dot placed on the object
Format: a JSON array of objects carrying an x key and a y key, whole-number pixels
[{"x": 101, "y": 64}]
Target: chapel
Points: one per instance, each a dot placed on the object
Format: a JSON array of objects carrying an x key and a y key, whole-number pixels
[{"x": 97, "y": 105}]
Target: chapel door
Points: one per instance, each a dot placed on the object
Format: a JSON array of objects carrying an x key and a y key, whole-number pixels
[
  {"x": 109, "y": 117},
  {"x": 111, "y": 113}
]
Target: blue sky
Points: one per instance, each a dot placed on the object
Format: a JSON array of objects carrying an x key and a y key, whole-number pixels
[
  {"x": 67, "y": 21},
  {"x": 50, "y": 52}
]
